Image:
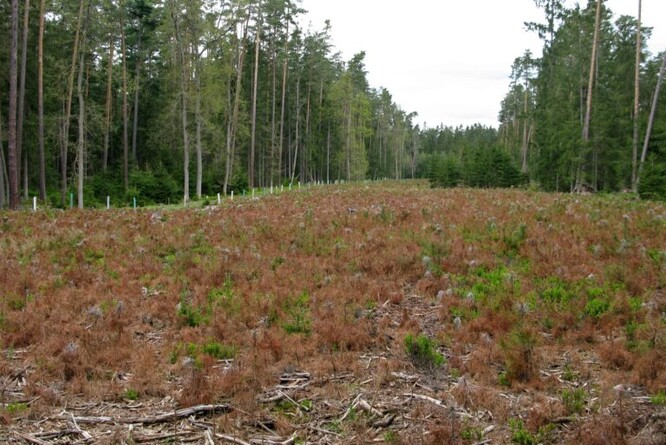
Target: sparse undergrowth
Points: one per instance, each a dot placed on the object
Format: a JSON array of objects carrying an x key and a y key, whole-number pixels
[{"x": 540, "y": 318}]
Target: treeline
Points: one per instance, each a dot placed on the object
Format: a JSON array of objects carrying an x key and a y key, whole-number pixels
[
  {"x": 584, "y": 116},
  {"x": 176, "y": 99},
  {"x": 166, "y": 100}
]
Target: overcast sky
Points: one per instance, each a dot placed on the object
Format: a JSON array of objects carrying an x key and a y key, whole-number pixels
[{"x": 448, "y": 60}]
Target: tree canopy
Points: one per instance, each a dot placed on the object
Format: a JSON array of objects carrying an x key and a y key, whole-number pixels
[{"x": 165, "y": 100}]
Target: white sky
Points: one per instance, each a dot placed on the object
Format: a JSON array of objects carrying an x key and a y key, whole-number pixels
[{"x": 448, "y": 60}]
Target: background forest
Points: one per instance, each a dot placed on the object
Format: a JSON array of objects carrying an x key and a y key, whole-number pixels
[{"x": 165, "y": 100}]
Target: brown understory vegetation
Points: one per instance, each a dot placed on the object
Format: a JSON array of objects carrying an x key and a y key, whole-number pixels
[{"x": 548, "y": 311}]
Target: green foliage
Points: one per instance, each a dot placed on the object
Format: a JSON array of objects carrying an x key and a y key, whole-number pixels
[
  {"x": 653, "y": 181},
  {"x": 433, "y": 252},
  {"x": 471, "y": 433},
  {"x": 557, "y": 292},
  {"x": 224, "y": 297},
  {"x": 503, "y": 380},
  {"x": 277, "y": 262},
  {"x": 131, "y": 394},
  {"x": 15, "y": 408},
  {"x": 659, "y": 399},
  {"x": 150, "y": 187},
  {"x": 298, "y": 312},
  {"x": 518, "y": 347},
  {"x": 480, "y": 167},
  {"x": 520, "y": 435},
  {"x": 16, "y": 302},
  {"x": 574, "y": 400},
  {"x": 219, "y": 351},
  {"x": 191, "y": 315},
  {"x": 596, "y": 307},
  {"x": 444, "y": 171},
  {"x": 514, "y": 240},
  {"x": 422, "y": 351}
]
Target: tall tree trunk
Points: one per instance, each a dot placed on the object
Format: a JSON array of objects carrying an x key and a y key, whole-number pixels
[
  {"x": 25, "y": 173},
  {"x": 525, "y": 145},
  {"x": 4, "y": 183},
  {"x": 180, "y": 46},
  {"x": 637, "y": 92},
  {"x": 415, "y": 151},
  {"x": 68, "y": 108},
  {"x": 349, "y": 138},
  {"x": 123, "y": 49},
  {"x": 282, "y": 104},
  {"x": 81, "y": 145},
  {"x": 305, "y": 175},
  {"x": 229, "y": 113},
  {"x": 236, "y": 110},
  {"x": 186, "y": 141},
  {"x": 328, "y": 154},
  {"x": 273, "y": 112},
  {"x": 21, "y": 96},
  {"x": 197, "y": 111},
  {"x": 588, "y": 105},
  {"x": 81, "y": 158},
  {"x": 135, "y": 111},
  {"x": 109, "y": 104},
  {"x": 653, "y": 112},
  {"x": 40, "y": 102},
  {"x": 297, "y": 141},
  {"x": 13, "y": 154},
  {"x": 253, "y": 136}
]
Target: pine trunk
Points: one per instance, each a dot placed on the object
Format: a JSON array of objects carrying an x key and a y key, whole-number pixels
[
  {"x": 13, "y": 154},
  {"x": 588, "y": 104},
  {"x": 653, "y": 112},
  {"x": 68, "y": 109},
  {"x": 637, "y": 92},
  {"x": 81, "y": 158},
  {"x": 197, "y": 143},
  {"x": 297, "y": 141},
  {"x": 180, "y": 47},
  {"x": 123, "y": 49},
  {"x": 282, "y": 104},
  {"x": 525, "y": 136},
  {"x": 135, "y": 110},
  {"x": 21, "y": 96},
  {"x": 109, "y": 105},
  {"x": 253, "y": 136},
  {"x": 237, "y": 98},
  {"x": 273, "y": 115},
  {"x": 81, "y": 144},
  {"x": 40, "y": 102},
  {"x": 4, "y": 184}
]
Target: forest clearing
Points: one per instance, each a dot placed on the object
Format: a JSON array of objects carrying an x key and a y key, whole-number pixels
[{"x": 371, "y": 312}]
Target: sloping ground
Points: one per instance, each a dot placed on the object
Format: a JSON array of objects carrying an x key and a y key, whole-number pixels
[{"x": 285, "y": 319}]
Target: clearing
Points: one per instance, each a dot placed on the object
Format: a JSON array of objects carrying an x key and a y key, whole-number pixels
[{"x": 362, "y": 313}]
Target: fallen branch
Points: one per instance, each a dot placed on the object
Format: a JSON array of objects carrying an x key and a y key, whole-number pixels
[
  {"x": 162, "y": 418},
  {"x": 231, "y": 439},
  {"x": 49, "y": 435},
  {"x": 322, "y": 430},
  {"x": 365, "y": 406},
  {"x": 351, "y": 407},
  {"x": 405, "y": 377},
  {"x": 29, "y": 438},
  {"x": 274, "y": 441},
  {"x": 424, "y": 397},
  {"x": 385, "y": 422},
  {"x": 169, "y": 437}
]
